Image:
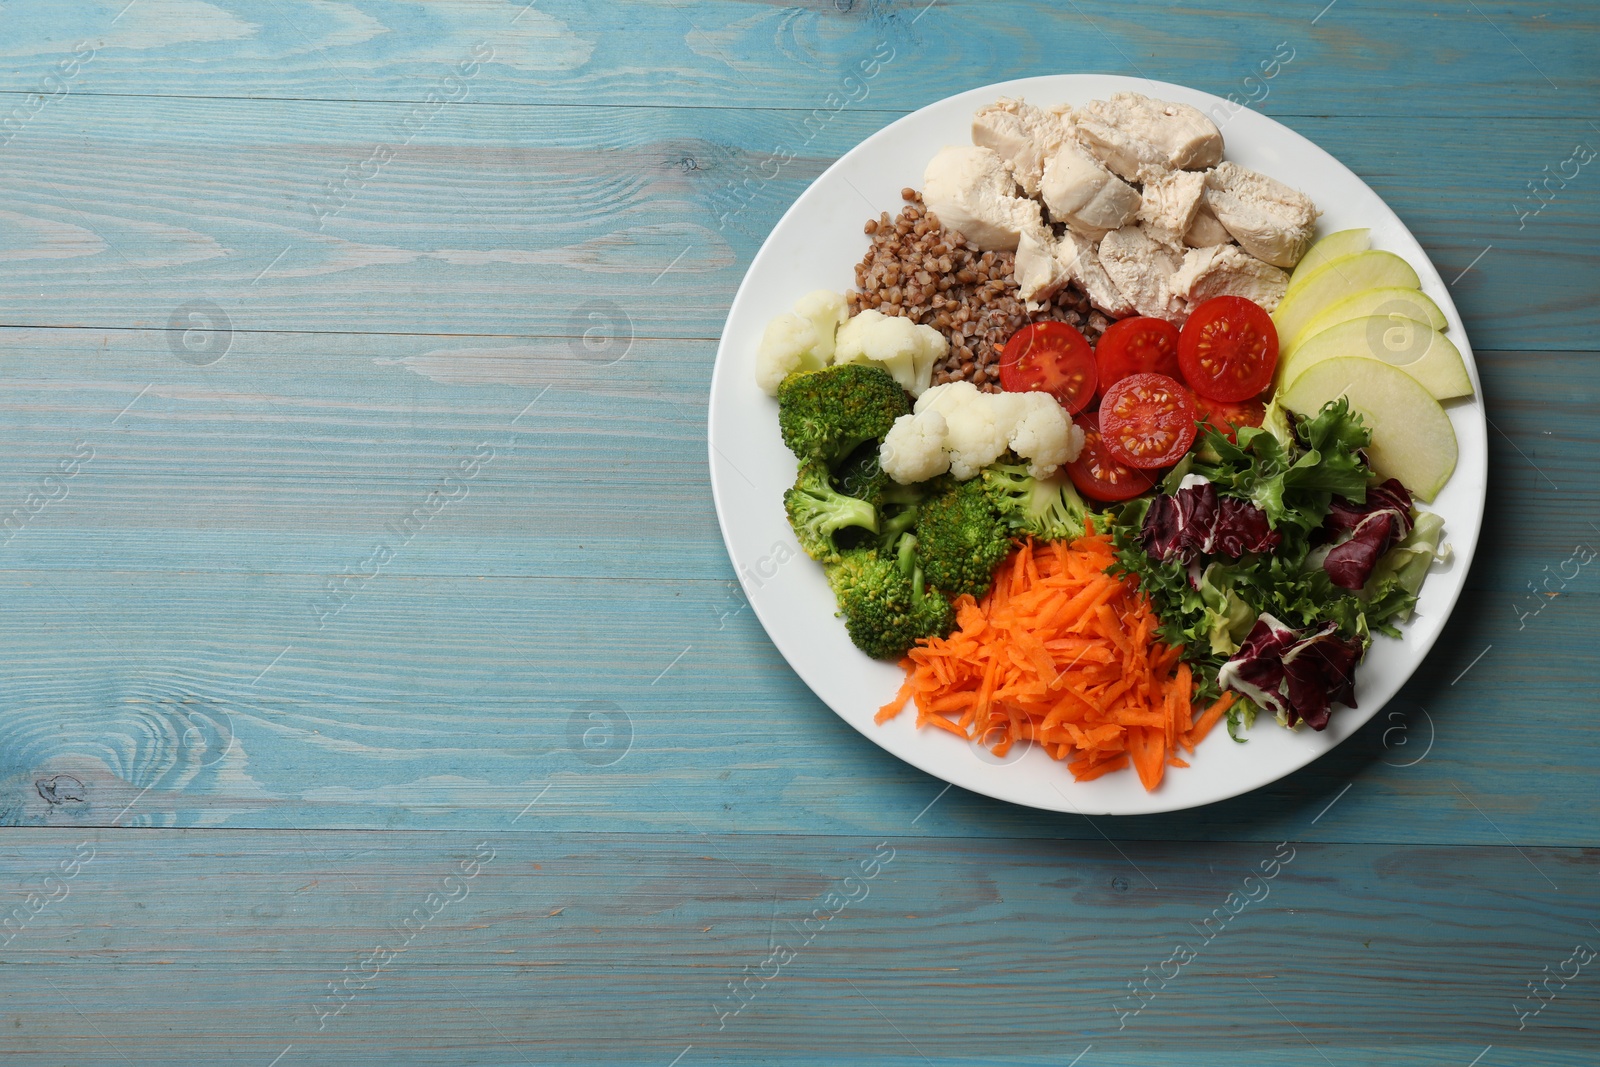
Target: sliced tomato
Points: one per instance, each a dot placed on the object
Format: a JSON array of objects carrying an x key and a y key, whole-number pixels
[
  {"x": 1099, "y": 476},
  {"x": 1229, "y": 417},
  {"x": 1228, "y": 349},
  {"x": 1147, "y": 421},
  {"x": 1138, "y": 345},
  {"x": 1050, "y": 357}
]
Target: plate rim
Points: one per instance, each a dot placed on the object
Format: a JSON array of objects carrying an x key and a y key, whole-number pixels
[{"x": 1351, "y": 720}]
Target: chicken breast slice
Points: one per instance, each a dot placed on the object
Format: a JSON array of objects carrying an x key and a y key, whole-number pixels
[
  {"x": 1270, "y": 220},
  {"x": 1206, "y": 230},
  {"x": 1079, "y": 256},
  {"x": 1169, "y": 204},
  {"x": 1142, "y": 269},
  {"x": 1022, "y": 135},
  {"x": 1038, "y": 273},
  {"x": 1227, "y": 270},
  {"x": 1081, "y": 192},
  {"x": 970, "y": 190},
  {"x": 1130, "y": 133}
]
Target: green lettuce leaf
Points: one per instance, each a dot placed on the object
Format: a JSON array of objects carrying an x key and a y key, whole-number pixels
[
  {"x": 1228, "y": 617},
  {"x": 1406, "y": 564}
]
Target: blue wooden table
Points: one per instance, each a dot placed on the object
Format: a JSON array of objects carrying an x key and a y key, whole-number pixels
[{"x": 374, "y": 686}]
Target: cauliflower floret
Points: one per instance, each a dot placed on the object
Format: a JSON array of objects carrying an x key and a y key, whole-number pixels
[
  {"x": 904, "y": 349},
  {"x": 979, "y": 426},
  {"x": 788, "y": 344},
  {"x": 1042, "y": 434},
  {"x": 958, "y": 428},
  {"x": 913, "y": 450},
  {"x": 826, "y": 311},
  {"x": 800, "y": 340}
]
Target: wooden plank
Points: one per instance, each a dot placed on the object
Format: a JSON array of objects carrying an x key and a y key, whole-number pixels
[
  {"x": 945, "y": 948},
  {"x": 511, "y": 222},
  {"x": 295, "y": 451},
  {"x": 1361, "y": 58}
]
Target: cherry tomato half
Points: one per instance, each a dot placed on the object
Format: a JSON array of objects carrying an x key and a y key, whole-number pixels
[
  {"x": 1228, "y": 349},
  {"x": 1147, "y": 421},
  {"x": 1229, "y": 417},
  {"x": 1050, "y": 357},
  {"x": 1138, "y": 345},
  {"x": 1099, "y": 476}
]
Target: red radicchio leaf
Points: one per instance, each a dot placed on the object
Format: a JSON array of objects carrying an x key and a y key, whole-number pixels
[
  {"x": 1321, "y": 669},
  {"x": 1374, "y": 526},
  {"x": 1256, "y": 670},
  {"x": 1195, "y": 521},
  {"x": 1242, "y": 527},
  {"x": 1162, "y": 532},
  {"x": 1350, "y": 563},
  {"x": 1293, "y": 675},
  {"x": 1386, "y": 496}
]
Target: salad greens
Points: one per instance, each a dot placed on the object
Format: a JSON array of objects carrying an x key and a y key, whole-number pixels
[{"x": 1208, "y": 604}]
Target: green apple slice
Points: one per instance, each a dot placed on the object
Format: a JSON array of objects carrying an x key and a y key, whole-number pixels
[
  {"x": 1412, "y": 438},
  {"x": 1411, "y": 304},
  {"x": 1416, "y": 348},
  {"x": 1336, "y": 280},
  {"x": 1343, "y": 243}
]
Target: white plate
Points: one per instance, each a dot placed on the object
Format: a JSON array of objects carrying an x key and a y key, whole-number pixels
[{"x": 816, "y": 246}]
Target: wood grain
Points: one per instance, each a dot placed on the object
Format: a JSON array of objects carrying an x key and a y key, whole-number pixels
[
  {"x": 1362, "y": 58},
  {"x": 951, "y": 948},
  {"x": 243, "y": 354}
]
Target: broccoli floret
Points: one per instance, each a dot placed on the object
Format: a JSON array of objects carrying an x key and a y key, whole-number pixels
[
  {"x": 861, "y": 475},
  {"x": 885, "y": 600},
  {"x": 825, "y": 414},
  {"x": 817, "y": 511},
  {"x": 961, "y": 537},
  {"x": 1048, "y": 508},
  {"x": 894, "y": 523}
]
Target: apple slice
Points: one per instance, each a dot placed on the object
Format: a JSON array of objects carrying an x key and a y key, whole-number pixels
[
  {"x": 1411, "y": 304},
  {"x": 1334, "y": 281},
  {"x": 1412, "y": 438},
  {"x": 1343, "y": 243},
  {"x": 1419, "y": 350}
]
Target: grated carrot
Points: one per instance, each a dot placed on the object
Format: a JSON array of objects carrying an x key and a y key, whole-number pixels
[
  {"x": 1209, "y": 718},
  {"x": 891, "y": 709},
  {"x": 1061, "y": 654}
]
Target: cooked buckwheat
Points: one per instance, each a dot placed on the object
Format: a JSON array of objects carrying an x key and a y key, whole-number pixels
[{"x": 917, "y": 269}]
